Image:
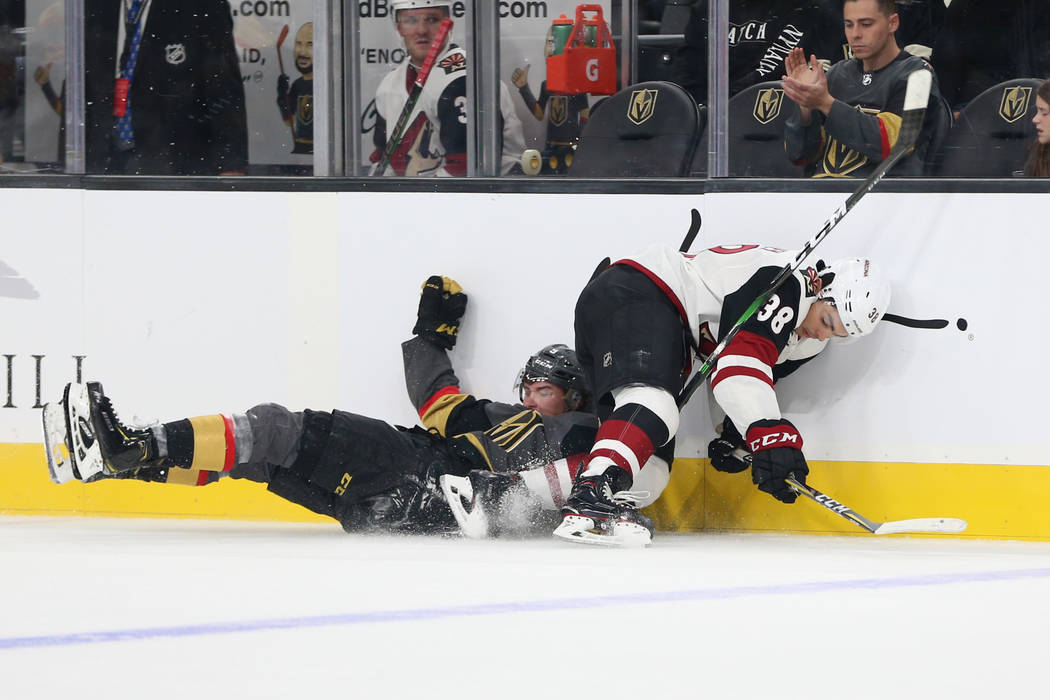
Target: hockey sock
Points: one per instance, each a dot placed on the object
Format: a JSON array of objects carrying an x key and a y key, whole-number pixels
[
  {"x": 645, "y": 418},
  {"x": 204, "y": 443}
]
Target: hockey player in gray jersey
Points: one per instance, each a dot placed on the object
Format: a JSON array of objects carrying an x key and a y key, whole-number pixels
[
  {"x": 363, "y": 472},
  {"x": 846, "y": 122},
  {"x": 640, "y": 322}
]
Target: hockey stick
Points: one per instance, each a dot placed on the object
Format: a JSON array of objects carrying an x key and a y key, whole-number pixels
[
  {"x": 915, "y": 99},
  {"x": 394, "y": 140},
  {"x": 892, "y": 527},
  {"x": 280, "y": 40},
  {"x": 690, "y": 235}
]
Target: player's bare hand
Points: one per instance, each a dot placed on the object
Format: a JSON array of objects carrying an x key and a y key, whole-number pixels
[
  {"x": 520, "y": 77},
  {"x": 42, "y": 74}
]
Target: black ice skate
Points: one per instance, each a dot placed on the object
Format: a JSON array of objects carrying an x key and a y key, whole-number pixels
[
  {"x": 109, "y": 447},
  {"x": 595, "y": 514},
  {"x": 475, "y": 500}
]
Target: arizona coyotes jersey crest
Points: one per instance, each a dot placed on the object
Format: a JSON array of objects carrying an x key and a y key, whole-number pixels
[
  {"x": 437, "y": 122},
  {"x": 712, "y": 290}
]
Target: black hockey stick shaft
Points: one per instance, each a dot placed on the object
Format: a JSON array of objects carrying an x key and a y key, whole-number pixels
[
  {"x": 918, "y": 93},
  {"x": 833, "y": 505},
  {"x": 690, "y": 235},
  {"x": 394, "y": 140}
]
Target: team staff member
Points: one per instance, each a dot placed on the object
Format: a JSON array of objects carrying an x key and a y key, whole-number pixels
[
  {"x": 164, "y": 90},
  {"x": 845, "y": 123},
  {"x": 435, "y": 136}
]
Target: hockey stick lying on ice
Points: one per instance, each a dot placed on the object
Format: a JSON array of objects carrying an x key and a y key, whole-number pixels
[
  {"x": 915, "y": 99},
  {"x": 398, "y": 132},
  {"x": 892, "y": 527}
]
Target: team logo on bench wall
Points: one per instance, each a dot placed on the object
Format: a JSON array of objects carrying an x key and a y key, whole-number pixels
[
  {"x": 1014, "y": 104},
  {"x": 642, "y": 105},
  {"x": 767, "y": 105}
]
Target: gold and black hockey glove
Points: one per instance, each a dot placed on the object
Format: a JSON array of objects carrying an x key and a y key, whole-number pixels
[{"x": 441, "y": 306}]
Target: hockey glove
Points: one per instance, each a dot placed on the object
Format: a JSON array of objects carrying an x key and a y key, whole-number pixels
[
  {"x": 777, "y": 449},
  {"x": 729, "y": 452},
  {"x": 441, "y": 306}
]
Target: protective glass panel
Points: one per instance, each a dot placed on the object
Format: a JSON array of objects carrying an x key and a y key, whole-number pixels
[
  {"x": 432, "y": 139},
  {"x": 198, "y": 87},
  {"x": 32, "y": 86}
]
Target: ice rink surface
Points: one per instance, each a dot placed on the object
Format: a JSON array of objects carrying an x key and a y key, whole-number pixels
[{"x": 149, "y": 609}]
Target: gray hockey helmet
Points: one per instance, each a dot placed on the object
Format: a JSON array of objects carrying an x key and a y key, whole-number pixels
[{"x": 558, "y": 365}]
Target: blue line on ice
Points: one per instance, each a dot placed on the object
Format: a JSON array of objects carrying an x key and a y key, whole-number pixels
[{"x": 525, "y": 606}]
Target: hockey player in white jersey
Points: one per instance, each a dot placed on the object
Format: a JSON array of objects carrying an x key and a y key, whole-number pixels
[
  {"x": 640, "y": 322},
  {"x": 435, "y": 136}
]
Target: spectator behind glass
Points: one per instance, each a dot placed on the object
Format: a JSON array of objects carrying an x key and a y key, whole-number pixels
[
  {"x": 845, "y": 123},
  {"x": 184, "y": 109},
  {"x": 1038, "y": 164},
  {"x": 434, "y": 141},
  {"x": 761, "y": 33},
  {"x": 985, "y": 42}
]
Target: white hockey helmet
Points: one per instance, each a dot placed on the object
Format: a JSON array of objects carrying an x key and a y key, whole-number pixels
[
  {"x": 398, "y": 5},
  {"x": 860, "y": 294}
]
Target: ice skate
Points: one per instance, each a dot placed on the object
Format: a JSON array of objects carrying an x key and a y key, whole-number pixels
[
  {"x": 58, "y": 444},
  {"x": 594, "y": 514},
  {"x": 475, "y": 500},
  {"x": 102, "y": 444}
]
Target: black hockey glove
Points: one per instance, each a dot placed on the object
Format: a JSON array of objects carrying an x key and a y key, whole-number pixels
[
  {"x": 441, "y": 306},
  {"x": 282, "y": 96},
  {"x": 729, "y": 452},
  {"x": 777, "y": 449}
]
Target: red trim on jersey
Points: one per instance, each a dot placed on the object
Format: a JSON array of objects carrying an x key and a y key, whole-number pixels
[
  {"x": 748, "y": 344},
  {"x": 231, "y": 444},
  {"x": 456, "y": 164},
  {"x": 738, "y": 371},
  {"x": 437, "y": 395},
  {"x": 885, "y": 137},
  {"x": 202, "y": 478},
  {"x": 631, "y": 437},
  {"x": 659, "y": 283}
]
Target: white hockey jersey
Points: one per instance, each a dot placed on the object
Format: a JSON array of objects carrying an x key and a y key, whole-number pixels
[
  {"x": 435, "y": 138},
  {"x": 711, "y": 290}
]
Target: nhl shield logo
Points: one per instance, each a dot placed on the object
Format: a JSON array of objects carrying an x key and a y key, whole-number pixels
[
  {"x": 175, "y": 53},
  {"x": 1014, "y": 104},
  {"x": 642, "y": 105},
  {"x": 768, "y": 104}
]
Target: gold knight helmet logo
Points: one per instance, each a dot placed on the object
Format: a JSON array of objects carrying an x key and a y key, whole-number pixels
[
  {"x": 767, "y": 105},
  {"x": 1014, "y": 104},
  {"x": 642, "y": 105}
]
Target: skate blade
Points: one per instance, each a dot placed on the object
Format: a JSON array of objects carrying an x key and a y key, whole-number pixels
[
  {"x": 59, "y": 456},
  {"x": 583, "y": 530},
  {"x": 459, "y": 495},
  {"x": 87, "y": 456}
]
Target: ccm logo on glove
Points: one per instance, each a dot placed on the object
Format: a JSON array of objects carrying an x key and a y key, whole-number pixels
[{"x": 773, "y": 438}]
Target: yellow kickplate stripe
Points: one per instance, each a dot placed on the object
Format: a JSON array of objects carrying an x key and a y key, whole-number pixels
[
  {"x": 999, "y": 502},
  {"x": 209, "y": 443}
]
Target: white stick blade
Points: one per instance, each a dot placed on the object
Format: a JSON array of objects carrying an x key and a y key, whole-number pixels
[
  {"x": 938, "y": 525},
  {"x": 917, "y": 94}
]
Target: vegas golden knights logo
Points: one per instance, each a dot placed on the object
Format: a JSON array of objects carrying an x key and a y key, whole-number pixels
[
  {"x": 642, "y": 105},
  {"x": 840, "y": 160},
  {"x": 306, "y": 109},
  {"x": 1014, "y": 104},
  {"x": 767, "y": 105},
  {"x": 559, "y": 110}
]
